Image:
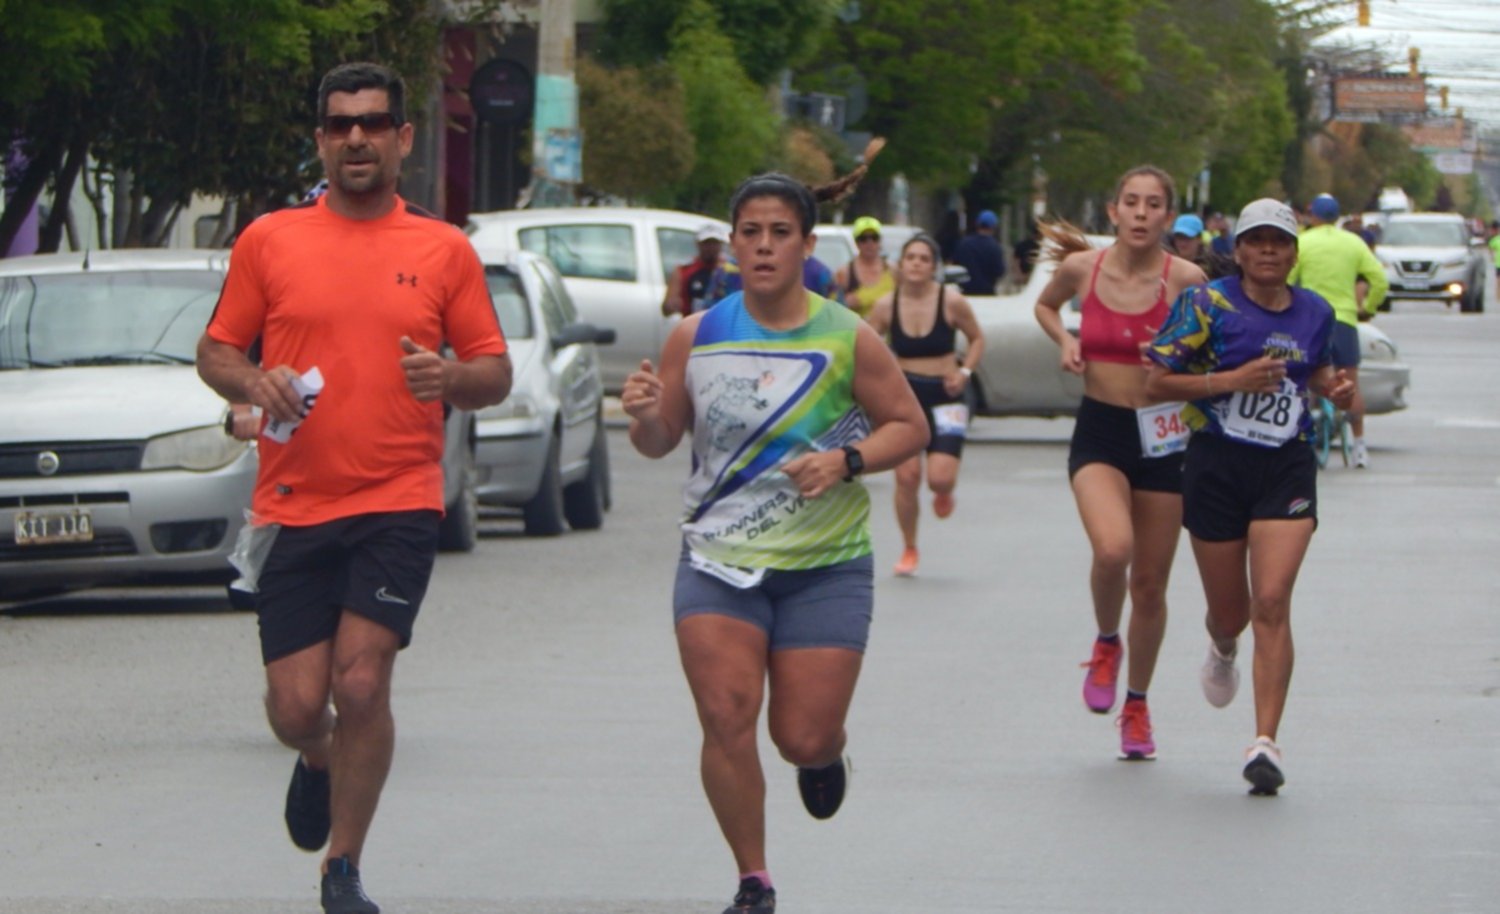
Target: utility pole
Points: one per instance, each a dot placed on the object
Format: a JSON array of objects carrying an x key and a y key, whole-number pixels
[{"x": 557, "y": 143}]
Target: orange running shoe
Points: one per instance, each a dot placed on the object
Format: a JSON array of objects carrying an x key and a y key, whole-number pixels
[
  {"x": 942, "y": 504},
  {"x": 906, "y": 566},
  {"x": 1136, "y": 744}
]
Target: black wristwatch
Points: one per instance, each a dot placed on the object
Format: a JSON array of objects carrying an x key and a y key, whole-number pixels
[{"x": 854, "y": 461}]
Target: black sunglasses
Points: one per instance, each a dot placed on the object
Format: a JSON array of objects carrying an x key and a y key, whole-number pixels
[{"x": 340, "y": 125}]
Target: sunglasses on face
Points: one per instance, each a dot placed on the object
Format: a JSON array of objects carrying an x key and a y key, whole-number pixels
[
  {"x": 374, "y": 122},
  {"x": 868, "y": 238}
]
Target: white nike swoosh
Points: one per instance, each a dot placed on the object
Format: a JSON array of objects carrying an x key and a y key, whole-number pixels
[{"x": 386, "y": 597}]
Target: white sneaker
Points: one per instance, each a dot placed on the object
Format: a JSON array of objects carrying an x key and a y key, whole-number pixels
[
  {"x": 1361, "y": 455},
  {"x": 1263, "y": 767},
  {"x": 1220, "y": 677}
]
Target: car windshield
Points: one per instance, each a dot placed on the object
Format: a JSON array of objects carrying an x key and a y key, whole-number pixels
[
  {"x": 510, "y": 303},
  {"x": 1423, "y": 235},
  {"x": 127, "y": 317}
]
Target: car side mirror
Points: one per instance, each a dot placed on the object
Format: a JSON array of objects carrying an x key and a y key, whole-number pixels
[{"x": 583, "y": 332}]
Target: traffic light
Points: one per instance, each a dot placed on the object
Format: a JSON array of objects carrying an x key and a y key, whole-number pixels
[{"x": 1364, "y": 12}]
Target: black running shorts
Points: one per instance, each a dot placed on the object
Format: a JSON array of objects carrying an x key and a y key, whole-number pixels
[
  {"x": 375, "y": 565},
  {"x": 1227, "y": 484},
  {"x": 1110, "y": 435},
  {"x": 931, "y": 393}
]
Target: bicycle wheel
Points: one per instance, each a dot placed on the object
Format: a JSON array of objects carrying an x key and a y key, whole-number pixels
[
  {"x": 1346, "y": 437},
  {"x": 1322, "y": 431}
]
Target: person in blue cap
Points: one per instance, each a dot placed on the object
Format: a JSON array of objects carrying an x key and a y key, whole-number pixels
[
  {"x": 1186, "y": 241},
  {"x": 981, "y": 255}
]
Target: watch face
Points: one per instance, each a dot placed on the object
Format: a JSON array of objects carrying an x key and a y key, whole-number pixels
[{"x": 854, "y": 460}]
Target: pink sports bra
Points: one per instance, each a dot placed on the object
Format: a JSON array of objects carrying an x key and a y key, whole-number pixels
[{"x": 1107, "y": 335}]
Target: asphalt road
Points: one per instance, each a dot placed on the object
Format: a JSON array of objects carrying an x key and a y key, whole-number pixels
[{"x": 546, "y": 757}]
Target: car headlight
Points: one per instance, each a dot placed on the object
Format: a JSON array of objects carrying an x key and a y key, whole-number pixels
[
  {"x": 1450, "y": 264},
  {"x": 1381, "y": 350},
  {"x": 199, "y": 449}
]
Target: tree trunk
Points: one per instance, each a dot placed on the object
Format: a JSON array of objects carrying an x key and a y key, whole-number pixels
[
  {"x": 157, "y": 222},
  {"x": 62, "y": 198},
  {"x": 28, "y": 190}
]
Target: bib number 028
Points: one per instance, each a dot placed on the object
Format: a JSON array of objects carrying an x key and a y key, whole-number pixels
[{"x": 1268, "y": 409}]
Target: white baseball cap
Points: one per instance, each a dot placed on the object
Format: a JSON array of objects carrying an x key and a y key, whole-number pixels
[
  {"x": 1266, "y": 211},
  {"x": 712, "y": 232}
]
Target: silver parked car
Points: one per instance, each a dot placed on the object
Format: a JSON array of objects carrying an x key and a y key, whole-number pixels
[
  {"x": 615, "y": 262},
  {"x": 114, "y": 463},
  {"x": 544, "y": 450},
  {"x": 1020, "y": 376},
  {"x": 1434, "y": 256}
]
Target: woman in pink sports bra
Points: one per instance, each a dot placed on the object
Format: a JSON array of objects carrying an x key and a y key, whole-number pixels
[{"x": 1125, "y": 460}]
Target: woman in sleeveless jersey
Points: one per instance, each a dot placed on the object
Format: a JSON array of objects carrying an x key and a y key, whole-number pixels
[
  {"x": 867, "y": 277},
  {"x": 1125, "y": 458},
  {"x": 788, "y": 398},
  {"x": 1247, "y": 350},
  {"x": 922, "y": 319}
]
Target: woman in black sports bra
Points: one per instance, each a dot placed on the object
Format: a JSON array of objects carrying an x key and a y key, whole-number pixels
[{"x": 922, "y": 319}]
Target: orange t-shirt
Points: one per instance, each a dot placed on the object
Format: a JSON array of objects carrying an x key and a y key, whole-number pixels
[{"x": 324, "y": 291}]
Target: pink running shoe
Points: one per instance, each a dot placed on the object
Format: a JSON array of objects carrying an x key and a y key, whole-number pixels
[
  {"x": 1136, "y": 744},
  {"x": 1103, "y": 674},
  {"x": 906, "y": 566}
]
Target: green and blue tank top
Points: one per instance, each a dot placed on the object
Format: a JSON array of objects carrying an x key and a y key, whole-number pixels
[{"x": 761, "y": 398}]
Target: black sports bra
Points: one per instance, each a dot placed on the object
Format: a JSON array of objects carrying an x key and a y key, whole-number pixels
[{"x": 940, "y": 340}]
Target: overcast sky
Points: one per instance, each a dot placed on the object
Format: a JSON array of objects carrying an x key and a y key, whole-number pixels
[{"x": 1459, "y": 42}]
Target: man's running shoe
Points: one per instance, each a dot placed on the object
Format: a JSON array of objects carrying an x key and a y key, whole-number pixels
[
  {"x": 942, "y": 504},
  {"x": 754, "y": 897},
  {"x": 1136, "y": 744},
  {"x": 1219, "y": 677},
  {"x": 906, "y": 566},
  {"x": 1263, "y": 767},
  {"x": 307, "y": 812},
  {"x": 1361, "y": 455},
  {"x": 823, "y": 789},
  {"x": 1102, "y": 676},
  {"x": 342, "y": 892}
]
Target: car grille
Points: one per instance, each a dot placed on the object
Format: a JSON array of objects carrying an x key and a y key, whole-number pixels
[
  {"x": 24, "y": 461},
  {"x": 103, "y": 544},
  {"x": 82, "y": 498},
  {"x": 1411, "y": 267}
]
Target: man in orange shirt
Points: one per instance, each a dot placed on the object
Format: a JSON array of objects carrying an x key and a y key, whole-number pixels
[{"x": 366, "y": 289}]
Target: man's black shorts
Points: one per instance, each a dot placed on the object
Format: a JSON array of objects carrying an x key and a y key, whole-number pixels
[
  {"x": 1227, "y": 484},
  {"x": 374, "y": 565},
  {"x": 1108, "y": 434}
]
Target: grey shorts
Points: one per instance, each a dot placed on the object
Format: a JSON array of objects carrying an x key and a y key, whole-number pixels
[
  {"x": 815, "y": 607},
  {"x": 1345, "y": 345}
]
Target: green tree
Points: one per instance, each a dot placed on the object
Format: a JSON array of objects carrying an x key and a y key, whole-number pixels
[
  {"x": 765, "y": 36},
  {"x": 636, "y": 124},
  {"x": 733, "y": 126}
]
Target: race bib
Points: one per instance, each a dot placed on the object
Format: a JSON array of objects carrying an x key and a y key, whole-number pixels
[
  {"x": 1162, "y": 430},
  {"x": 951, "y": 419},
  {"x": 1266, "y": 419},
  {"x": 733, "y": 575}
]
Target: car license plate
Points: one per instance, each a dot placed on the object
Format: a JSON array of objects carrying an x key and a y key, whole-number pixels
[{"x": 39, "y": 528}]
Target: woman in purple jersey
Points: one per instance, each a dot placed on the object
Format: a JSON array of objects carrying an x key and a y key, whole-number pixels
[{"x": 1247, "y": 350}]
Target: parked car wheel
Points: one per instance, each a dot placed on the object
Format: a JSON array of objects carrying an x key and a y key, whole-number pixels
[
  {"x": 585, "y": 501},
  {"x": 1473, "y": 300},
  {"x": 543, "y": 514},
  {"x": 459, "y": 530}
]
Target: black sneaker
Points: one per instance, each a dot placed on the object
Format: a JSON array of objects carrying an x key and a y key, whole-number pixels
[
  {"x": 753, "y": 898},
  {"x": 308, "y": 817},
  {"x": 342, "y": 893},
  {"x": 822, "y": 789}
]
